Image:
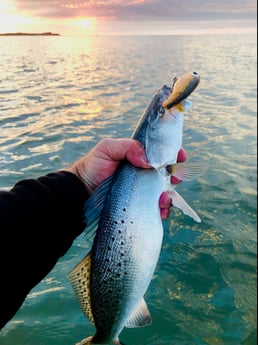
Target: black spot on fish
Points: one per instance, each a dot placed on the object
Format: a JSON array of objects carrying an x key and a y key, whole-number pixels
[
  {"x": 122, "y": 243},
  {"x": 119, "y": 231},
  {"x": 122, "y": 221},
  {"x": 113, "y": 238},
  {"x": 119, "y": 264},
  {"x": 124, "y": 209},
  {"x": 109, "y": 248}
]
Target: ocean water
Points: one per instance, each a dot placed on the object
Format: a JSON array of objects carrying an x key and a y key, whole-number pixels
[{"x": 60, "y": 95}]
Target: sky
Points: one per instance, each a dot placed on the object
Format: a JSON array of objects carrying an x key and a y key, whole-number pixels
[{"x": 69, "y": 17}]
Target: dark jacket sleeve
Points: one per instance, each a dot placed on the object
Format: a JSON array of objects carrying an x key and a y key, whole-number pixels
[{"x": 39, "y": 219}]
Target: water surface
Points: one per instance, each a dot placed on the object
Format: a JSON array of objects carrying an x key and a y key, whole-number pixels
[{"x": 60, "y": 95}]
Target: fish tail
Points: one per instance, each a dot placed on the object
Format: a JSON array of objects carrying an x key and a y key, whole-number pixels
[
  {"x": 89, "y": 341},
  {"x": 86, "y": 341},
  {"x": 118, "y": 342}
]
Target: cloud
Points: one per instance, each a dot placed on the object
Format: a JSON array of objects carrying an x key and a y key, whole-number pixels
[{"x": 137, "y": 10}]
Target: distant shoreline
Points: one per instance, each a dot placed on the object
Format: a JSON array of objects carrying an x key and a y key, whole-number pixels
[{"x": 29, "y": 34}]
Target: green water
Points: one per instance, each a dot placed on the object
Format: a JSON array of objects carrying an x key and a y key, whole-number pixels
[{"x": 60, "y": 95}]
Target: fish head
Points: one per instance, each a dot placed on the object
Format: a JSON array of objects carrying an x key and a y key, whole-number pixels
[
  {"x": 164, "y": 136},
  {"x": 160, "y": 129},
  {"x": 164, "y": 132}
]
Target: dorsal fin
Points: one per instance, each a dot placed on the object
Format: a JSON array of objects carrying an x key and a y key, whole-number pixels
[{"x": 80, "y": 280}]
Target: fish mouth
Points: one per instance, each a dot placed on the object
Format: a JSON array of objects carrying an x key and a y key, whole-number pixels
[{"x": 182, "y": 87}]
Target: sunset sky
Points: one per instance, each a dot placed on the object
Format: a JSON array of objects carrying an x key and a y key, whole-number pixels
[{"x": 128, "y": 16}]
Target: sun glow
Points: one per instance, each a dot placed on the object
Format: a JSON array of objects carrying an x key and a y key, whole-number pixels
[
  {"x": 85, "y": 25},
  {"x": 10, "y": 19},
  {"x": 7, "y": 18},
  {"x": 10, "y": 22}
]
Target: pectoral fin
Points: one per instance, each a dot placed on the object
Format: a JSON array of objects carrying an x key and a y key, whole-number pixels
[
  {"x": 180, "y": 203},
  {"x": 187, "y": 171},
  {"x": 140, "y": 317}
]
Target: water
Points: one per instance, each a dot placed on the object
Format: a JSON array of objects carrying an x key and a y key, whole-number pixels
[{"x": 60, "y": 95}]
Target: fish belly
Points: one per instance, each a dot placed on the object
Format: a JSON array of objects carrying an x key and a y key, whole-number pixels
[{"x": 126, "y": 249}]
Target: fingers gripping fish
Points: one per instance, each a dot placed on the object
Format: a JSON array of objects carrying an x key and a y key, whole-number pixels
[{"x": 111, "y": 281}]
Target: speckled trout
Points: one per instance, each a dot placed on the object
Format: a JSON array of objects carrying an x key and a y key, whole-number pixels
[{"x": 123, "y": 212}]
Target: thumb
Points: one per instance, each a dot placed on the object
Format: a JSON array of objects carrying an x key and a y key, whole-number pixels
[{"x": 130, "y": 149}]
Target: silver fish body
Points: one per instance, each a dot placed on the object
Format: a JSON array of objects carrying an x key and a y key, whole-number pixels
[
  {"x": 129, "y": 231},
  {"x": 126, "y": 250}
]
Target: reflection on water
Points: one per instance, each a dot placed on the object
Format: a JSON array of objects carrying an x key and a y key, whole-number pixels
[{"x": 59, "y": 96}]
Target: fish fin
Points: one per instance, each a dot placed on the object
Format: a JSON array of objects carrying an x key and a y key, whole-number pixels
[
  {"x": 87, "y": 341},
  {"x": 187, "y": 171},
  {"x": 118, "y": 342},
  {"x": 94, "y": 205},
  {"x": 180, "y": 203},
  {"x": 140, "y": 317},
  {"x": 80, "y": 280}
]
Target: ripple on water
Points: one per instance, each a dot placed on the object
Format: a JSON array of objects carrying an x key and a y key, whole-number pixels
[{"x": 55, "y": 106}]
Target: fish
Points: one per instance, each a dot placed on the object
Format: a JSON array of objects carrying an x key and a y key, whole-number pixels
[{"x": 123, "y": 217}]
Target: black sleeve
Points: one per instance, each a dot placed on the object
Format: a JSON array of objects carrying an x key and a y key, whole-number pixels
[{"x": 39, "y": 219}]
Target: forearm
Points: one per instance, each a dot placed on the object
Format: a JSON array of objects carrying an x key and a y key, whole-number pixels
[{"x": 39, "y": 219}]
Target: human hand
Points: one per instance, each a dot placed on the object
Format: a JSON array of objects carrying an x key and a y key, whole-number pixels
[{"x": 103, "y": 160}]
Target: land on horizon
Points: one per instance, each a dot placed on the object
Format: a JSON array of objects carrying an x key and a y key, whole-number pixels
[{"x": 29, "y": 34}]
